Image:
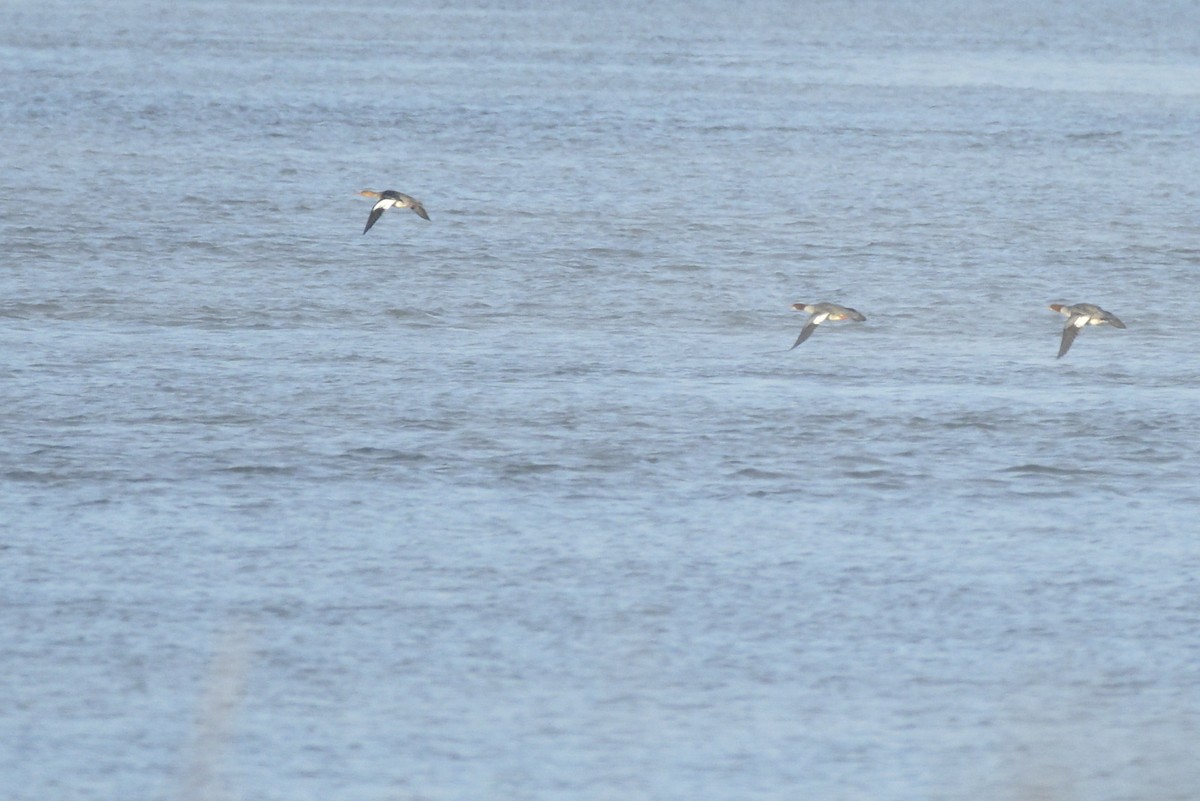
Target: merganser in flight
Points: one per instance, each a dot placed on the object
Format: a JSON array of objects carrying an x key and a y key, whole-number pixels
[
  {"x": 1078, "y": 316},
  {"x": 389, "y": 199},
  {"x": 820, "y": 313}
]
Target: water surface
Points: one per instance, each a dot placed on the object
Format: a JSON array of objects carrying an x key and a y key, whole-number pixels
[{"x": 532, "y": 500}]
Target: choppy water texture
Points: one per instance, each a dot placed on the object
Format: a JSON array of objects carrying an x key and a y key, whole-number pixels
[{"x": 531, "y": 500}]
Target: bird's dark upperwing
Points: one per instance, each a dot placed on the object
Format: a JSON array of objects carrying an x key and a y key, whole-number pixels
[
  {"x": 1069, "y": 334},
  {"x": 805, "y": 333},
  {"x": 376, "y": 213}
]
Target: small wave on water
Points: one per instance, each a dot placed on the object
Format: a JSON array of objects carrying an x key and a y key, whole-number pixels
[
  {"x": 1051, "y": 470},
  {"x": 385, "y": 456},
  {"x": 261, "y": 469},
  {"x": 754, "y": 473},
  {"x": 31, "y": 309}
]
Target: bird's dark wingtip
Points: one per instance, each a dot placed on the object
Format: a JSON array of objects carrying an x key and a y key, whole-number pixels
[{"x": 805, "y": 333}]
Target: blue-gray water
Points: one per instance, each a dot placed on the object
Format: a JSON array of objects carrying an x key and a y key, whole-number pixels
[{"x": 532, "y": 501}]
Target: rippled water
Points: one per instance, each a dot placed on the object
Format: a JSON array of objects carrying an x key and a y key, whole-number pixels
[{"x": 532, "y": 500}]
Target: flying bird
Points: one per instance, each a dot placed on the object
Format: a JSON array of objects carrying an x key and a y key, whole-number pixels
[
  {"x": 1078, "y": 316},
  {"x": 820, "y": 313},
  {"x": 388, "y": 200}
]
